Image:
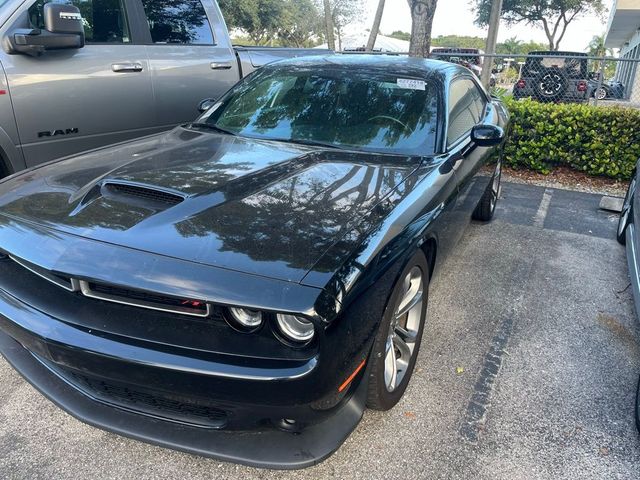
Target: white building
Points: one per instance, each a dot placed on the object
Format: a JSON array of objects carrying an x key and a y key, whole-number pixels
[{"x": 623, "y": 32}]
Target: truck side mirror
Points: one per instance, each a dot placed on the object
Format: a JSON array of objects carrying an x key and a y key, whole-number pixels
[
  {"x": 63, "y": 30},
  {"x": 62, "y": 18}
]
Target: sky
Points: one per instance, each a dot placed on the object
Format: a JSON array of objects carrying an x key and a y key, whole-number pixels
[{"x": 455, "y": 17}]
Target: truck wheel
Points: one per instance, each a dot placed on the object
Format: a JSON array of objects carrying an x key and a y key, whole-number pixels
[{"x": 398, "y": 340}]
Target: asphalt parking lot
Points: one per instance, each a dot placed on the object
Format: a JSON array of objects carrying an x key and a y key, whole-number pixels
[{"x": 528, "y": 369}]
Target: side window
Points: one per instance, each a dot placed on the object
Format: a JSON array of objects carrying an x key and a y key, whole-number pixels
[
  {"x": 178, "y": 21},
  {"x": 104, "y": 21},
  {"x": 479, "y": 101},
  {"x": 466, "y": 108}
]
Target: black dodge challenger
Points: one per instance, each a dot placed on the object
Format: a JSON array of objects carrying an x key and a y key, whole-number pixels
[{"x": 243, "y": 286}]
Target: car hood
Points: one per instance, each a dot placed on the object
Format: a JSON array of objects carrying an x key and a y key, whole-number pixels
[{"x": 260, "y": 207}]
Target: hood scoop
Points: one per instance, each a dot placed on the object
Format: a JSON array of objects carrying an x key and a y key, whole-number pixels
[
  {"x": 137, "y": 193},
  {"x": 129, "y": 194}
]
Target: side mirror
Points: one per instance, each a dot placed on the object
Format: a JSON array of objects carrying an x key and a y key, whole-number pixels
[
  {"x": 487, "y": 135},
  {"x": 63, "y": 30},
  {"x": 206, "y": 104}
]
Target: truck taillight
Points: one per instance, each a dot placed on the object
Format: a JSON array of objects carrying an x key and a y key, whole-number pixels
[
  {"x": 582, "y": 86},
  {"x": 521, "y": 83}
]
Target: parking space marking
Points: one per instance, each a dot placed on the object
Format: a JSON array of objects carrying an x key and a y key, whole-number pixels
[
  {"x": 543, "y": 209},
  {"x": 475, "y": 415}
]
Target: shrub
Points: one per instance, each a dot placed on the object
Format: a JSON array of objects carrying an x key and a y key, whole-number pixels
[{"x": 597, "y": 140}]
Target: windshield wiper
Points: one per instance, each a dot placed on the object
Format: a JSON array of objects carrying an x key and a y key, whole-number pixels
[
  {"x": 210, "y": 126},
  {"x": 311, "y": 143}
]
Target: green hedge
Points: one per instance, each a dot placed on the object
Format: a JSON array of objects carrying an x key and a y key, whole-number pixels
[{"x": 597, "y": 140}]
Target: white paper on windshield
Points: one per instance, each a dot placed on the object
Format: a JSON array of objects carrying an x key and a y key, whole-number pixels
[{"x": 411, "y": 84}]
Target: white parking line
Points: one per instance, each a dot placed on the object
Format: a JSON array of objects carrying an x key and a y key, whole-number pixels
[{"x": 543, "y": 209}]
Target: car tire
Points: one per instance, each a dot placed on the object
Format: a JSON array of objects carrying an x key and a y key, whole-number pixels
[
  {"x": 600, "y": 93},
  {"x": 626, "y": 214},
  {"x": 399, "y": 336},
  {"x": 487, "y": 206}
]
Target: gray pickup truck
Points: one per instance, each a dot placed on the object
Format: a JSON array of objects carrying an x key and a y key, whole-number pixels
[{"x": 80, "y": 74}]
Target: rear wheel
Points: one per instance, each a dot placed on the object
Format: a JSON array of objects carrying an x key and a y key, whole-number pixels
[
  {"x": 487, "y": 206},
  {"x": 601, "y": 93},
  {"x": 398, "y": 340},
  {"x": 626, "y": 214}
]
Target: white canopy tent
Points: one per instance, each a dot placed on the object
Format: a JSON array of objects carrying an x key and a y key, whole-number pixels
[{"x": 383, "y": 44}]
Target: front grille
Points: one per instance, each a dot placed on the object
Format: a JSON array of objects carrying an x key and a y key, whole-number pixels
[
  {"x": 125, "y": 296},
  {"x": 143, "y": 193},
  {"x": 138, "y": 400},
  {"x": 145, "y": 299}
]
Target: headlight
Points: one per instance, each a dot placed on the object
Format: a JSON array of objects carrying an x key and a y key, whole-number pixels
[
  {"x": 246, "y": 318},
  {"x": 295, "y": 328}
]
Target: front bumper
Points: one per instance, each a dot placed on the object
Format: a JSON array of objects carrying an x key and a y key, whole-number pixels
[
  {"x": 267, "y": 448},
  {"x": 192, "y": 385},
  {"x": 50, "y": 355}
]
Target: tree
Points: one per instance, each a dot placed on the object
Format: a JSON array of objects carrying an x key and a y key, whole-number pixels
[
  {"x": 511, "y": 46},
  {"x": 375, "y": 29},
  {"x": 456, "y": 41},
  {"x": 301, "y": 22},
  {"x": 328, "y": 20},
  {"x": 259, "y": 19},
  {"x": 553, "y": 15},
  {"x": 345, "y": 12},
  {"x": 400, "y": 35},
  {"x": 422, "y": 13},
  {"x": 596, "y": 47}
]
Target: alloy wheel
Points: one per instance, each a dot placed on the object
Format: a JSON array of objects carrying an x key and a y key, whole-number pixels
[{"x": 404, "y": 329}]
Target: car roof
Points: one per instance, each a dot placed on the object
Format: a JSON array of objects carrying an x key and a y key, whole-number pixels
[
  {"x": 548, "y": 53},
  {"x": 393, "y": 64}
]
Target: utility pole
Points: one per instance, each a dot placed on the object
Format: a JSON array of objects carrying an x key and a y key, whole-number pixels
[{"x": 492, "y": 38}]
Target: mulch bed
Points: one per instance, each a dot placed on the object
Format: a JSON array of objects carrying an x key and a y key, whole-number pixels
[{"x": 568, "y": 179}]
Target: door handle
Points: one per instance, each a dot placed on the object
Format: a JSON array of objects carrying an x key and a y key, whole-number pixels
[
  {"x": 126, "y": 67},
  {"x": 220, "y": 65}
]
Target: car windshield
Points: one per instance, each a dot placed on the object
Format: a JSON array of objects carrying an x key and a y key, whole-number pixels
[{"x": 335, "y": 107}]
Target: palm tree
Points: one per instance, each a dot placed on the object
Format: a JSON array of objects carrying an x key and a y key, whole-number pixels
[
  {"x": 376, "y": 26},
  {"x": 596, "y": 47},
  {"x": 512, "y": 46}
]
